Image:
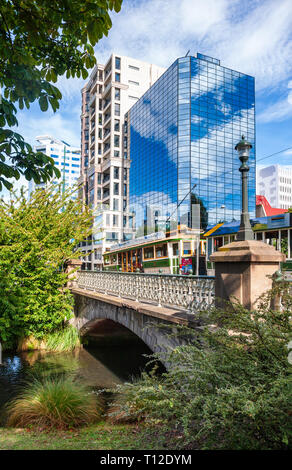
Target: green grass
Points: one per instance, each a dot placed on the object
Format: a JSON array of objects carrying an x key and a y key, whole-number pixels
[
  {"x": 63, "y": 340},
  {"x": 102, "y": 436},
  {"x": 58, "y": 403}
]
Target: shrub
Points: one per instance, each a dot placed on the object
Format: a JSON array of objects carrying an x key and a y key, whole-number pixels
[
  {"x": 232, "y": 393},
  {"x": 54, "y": 402}
]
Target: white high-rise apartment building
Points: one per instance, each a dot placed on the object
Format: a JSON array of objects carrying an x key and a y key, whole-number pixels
[
  {"x": 275, "y": 183},
  {"x": 104, "y": 182},
  {"x": 66, "y": 158}
]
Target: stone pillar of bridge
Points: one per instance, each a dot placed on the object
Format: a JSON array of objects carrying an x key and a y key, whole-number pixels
[
  {"x": 243, "y": 271},
  {"x": 72, "y": 268}
]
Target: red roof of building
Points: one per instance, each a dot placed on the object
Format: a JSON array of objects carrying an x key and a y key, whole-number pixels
[{"x": 268, "y": 209}]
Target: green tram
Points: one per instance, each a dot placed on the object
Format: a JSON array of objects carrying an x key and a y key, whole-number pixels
[{"x": 180, "y": 252}]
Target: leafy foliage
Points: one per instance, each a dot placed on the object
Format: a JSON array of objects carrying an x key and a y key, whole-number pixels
[
  {"x": 58, "y": 403},
  {"x": 36, "y": 237},
  {"x": 229, "y": 388},
  {"x": 41, "y": 40}
]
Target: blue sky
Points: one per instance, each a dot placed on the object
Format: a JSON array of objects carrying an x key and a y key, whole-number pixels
[{"x": 252, "y": 36}]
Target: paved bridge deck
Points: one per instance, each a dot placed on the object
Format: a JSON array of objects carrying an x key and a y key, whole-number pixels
[{"x": 164, "y": 313}]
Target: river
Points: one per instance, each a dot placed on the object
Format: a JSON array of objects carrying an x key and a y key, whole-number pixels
[{"x": 101, "y": 363}]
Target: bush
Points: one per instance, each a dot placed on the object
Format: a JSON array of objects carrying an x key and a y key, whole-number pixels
[
  {"x": 54, "y": 402},
  {"x": 232, "y": 393}
]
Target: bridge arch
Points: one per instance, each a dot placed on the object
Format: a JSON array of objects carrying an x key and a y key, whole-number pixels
[{"x": 151, "y": 330}]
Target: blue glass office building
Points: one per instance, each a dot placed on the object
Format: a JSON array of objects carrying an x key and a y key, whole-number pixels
[{"x": 182, "y": 134}]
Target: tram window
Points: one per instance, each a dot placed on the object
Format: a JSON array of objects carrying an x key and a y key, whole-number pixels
[
  {"x": 187, "y": 248},
  {"x": 175, "y": 249},
  {"x": 149, "y": 252},
  {"x": 161, "y": 251}
]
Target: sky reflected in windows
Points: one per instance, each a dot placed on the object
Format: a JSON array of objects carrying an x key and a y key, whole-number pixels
[{"x": 182, "y": 135}]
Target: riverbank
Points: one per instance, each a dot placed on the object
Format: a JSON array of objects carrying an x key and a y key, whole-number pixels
[{"x": 102, "y": 436}]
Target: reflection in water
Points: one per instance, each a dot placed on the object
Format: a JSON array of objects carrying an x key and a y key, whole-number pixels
[{"x": 98, "y": 365}]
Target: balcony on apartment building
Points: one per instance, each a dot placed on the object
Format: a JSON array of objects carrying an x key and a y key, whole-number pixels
[{"x": 106, "y": 179}]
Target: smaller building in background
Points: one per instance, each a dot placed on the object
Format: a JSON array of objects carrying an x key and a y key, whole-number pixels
[
  {"x": 66, "y": 158},
  {"x": 275, "y": 183}
]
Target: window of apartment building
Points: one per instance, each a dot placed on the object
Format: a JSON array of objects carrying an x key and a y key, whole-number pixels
[
  {"x": 118, "y": 63},
  {"x": 107, "y": 220},
  {"x": 117, "y": 109},
  {"x": 125, "y": 174},
  {"x": 126, "y": 127},
  {"x": 124, "y": 204},
  {"x": 99, "y": 178},
  {"x": 115, "y": 204},
  {"x": 125, "y": 155},
  {"x": 132, "y": 67},
  {"x": 116, "y": 172},
  {"x": 100, "y": 119},
  {"x": 116, "y": 140},
  {"x": 117, "y": 125},
  {"x": 131, "y": 221},
  {"x": 125, "y": 142},
  {"x": 99, "y": 149},
  {"x": 91, "y": 180},
  {"x": 111, "y": 236},
  {"x": 125, "y": 190},
  {"x": 116, "y": 153},
  {"x": 117, "y": 77},
  {"x": 124, "y": 221},
  {"x": 133, "y": 83},
  {"x": 115, "y": 220},
  {"x": 99, "y": 133},
  {"x": 99, "y": 193},
  {"x": 117, "y": 94},
  {"x": 149, "y": 252},
  {"x": 116, "y": 189},
  {"x": 100, "y": 75}
]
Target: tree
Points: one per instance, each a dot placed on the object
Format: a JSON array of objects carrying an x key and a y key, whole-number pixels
[
  {"x": 41, "y": 40},
  {"x": 36, "y": 237}
]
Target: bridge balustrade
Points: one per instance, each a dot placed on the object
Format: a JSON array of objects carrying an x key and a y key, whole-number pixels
[{"x": 191, "y": 293}]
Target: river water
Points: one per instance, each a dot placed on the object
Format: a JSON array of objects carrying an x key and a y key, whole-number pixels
[{"x": 99, "y": 364}]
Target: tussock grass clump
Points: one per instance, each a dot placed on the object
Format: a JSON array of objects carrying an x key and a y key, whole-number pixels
[
  {"x": 55, "y": 402},
  {"x": 63, "y": 340}
]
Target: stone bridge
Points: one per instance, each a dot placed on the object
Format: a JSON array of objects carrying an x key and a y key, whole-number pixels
[{"x": 150, "y": 305}]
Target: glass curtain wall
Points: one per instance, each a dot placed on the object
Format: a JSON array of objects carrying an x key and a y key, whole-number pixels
[{"x": 182, "y": 137}]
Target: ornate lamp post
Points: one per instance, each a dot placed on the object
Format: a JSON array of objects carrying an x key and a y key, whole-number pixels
[{"x": 245, "y": 231}]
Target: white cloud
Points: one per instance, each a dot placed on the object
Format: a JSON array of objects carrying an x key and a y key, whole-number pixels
[
  {"x": 250, "y": 36},
  {"x": 278, "y": 111}
]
